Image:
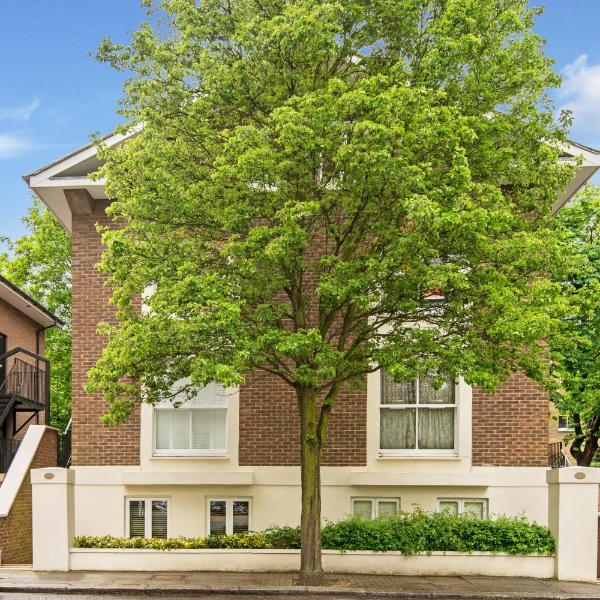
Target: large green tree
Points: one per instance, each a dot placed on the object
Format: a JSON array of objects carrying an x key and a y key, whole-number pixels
[
  {"x": 307, "y": 177},
  {"x": 39, "y": 262},
  {"x": 577, "y": 367}
]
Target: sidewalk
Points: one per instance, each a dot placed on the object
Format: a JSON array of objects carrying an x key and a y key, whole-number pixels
[{"x": 261, "y": 585}]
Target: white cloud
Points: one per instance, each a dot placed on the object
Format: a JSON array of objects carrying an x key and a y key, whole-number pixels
[
  {"x": 580, "y": 94},
  {"x": 20, "y": 113},
  {"x": 12, "y": 145}
]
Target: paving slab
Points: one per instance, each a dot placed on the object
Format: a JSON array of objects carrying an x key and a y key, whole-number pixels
[{"x": 279, "y": 585}]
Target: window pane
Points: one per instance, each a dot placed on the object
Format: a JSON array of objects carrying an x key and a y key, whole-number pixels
[
  {"x": 429, "y": 395},
  {"x": 363, "y": 509},
  {"x": 137, "y": 518},
  {"x": 218, "y": 516},
  {"x": 220, "y": 429},
  {"x": 397, "y": 429},
  {"x": 164, "y": 424},
  {"x": 450, "y": 506},
  {"x": 436, "y": 428},
  {"x": 475, "y": 507},
  {"x": 387, "y": 508},
  {"x": 201, "y": 426},
  {"x": 396, "y": 393},
  {"x": 241, "y": 516},
  {"x": 159, "y": 519},
  {"x": 563, "y": 422},
  {"x": 181, "y": 429}
]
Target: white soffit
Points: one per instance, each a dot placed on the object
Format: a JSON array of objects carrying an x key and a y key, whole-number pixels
[
  {"x": 26, "y": 305},
  {"x": 71, "y": 172}
]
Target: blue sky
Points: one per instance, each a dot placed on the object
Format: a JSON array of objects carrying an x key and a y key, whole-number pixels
[{"x": 53, "y": 95}]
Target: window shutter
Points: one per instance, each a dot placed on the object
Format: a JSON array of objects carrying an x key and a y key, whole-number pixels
[
  {"x": 201, "y": 426},
  {"x": 137, "y": 518},
  {"x": 387, "y": 508},
  {"x": 159, "y": 519},
  {"x": 164, "y": 424},
  {"x": 241, "y": 516},
  {"x": 220, "y": 430},
  {"x": 218, "y": 517},
  {"x": 363, "y": 509},
  {"x": 181, "y": 429},
  {"x": 449, "y": 506}
]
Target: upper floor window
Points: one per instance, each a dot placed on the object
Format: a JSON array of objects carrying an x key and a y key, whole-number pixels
[
  {"x": 564, "y": 423},
  {"x": 197, "y": 427},
  {"x": 417, "y": 418}
]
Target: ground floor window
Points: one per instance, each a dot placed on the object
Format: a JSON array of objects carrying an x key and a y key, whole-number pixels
[
  {"x": 461, "y": 506},
  {"x": 228, "y": 515},
  {"x": 147, "y": 517},
  {"x": 371, "y": 508}
]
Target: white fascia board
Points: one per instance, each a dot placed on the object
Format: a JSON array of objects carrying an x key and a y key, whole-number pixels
[{"x": 24, "y": 306}]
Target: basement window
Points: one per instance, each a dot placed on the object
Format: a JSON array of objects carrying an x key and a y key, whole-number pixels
[
  {"x": 227, "y": 516},
  {"x": 462, "y": 506},
  {"x": 371, "y": 508},
  {"x": 147, "y": 518}
]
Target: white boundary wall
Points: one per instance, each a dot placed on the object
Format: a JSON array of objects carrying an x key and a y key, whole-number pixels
[{"x": 381, "y": 563}]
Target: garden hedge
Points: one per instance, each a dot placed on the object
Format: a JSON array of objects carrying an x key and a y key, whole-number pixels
[{"x": 409, "y": 533}]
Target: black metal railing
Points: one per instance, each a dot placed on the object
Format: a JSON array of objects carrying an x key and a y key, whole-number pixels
[
  {"x": 64, "y": 447},
  {"x": 27, "y": 379},
  {"x": 556, "y": 456},
  {"x": 8, "y": 449}
]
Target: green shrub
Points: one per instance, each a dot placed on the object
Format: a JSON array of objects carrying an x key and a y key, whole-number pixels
[{"x": 409, "y": 533}]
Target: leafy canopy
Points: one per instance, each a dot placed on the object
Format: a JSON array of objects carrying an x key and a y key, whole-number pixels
[
  {"x": 577, "y": 358},
  {"x": 39, "y": 262},
  {"x": 309, "y": 176}
]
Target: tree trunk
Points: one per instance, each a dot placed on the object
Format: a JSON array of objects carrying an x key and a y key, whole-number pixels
[
  {"x": 585, "y": 457},
  {"x": 311, "y": 569}
]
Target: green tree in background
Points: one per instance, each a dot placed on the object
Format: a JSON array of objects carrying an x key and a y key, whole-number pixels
[
  {"x": 39, "y": 263},
  {"x": 578, "y": 353},
  {"x": 318, "y": 188}
]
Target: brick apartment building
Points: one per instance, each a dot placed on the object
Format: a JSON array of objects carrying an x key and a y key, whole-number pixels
[
  {"x": 228, "y": 460},
  {"x": 24, "y": 401}
]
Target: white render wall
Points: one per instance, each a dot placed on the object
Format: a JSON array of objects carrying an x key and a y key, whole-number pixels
[{"x": 99, "y": 494}]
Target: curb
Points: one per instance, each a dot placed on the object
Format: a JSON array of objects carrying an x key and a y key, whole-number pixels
[{"x": 280, "y": 591}]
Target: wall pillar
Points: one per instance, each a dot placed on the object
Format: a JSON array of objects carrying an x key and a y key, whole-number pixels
[
  {"x": 573, "y": 521},
  {"x": 53, "y": 518}
]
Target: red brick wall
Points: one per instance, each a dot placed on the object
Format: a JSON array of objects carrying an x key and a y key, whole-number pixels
[
  {"x": 94, "y": 443},
  {"x": 21, "y": 332},
  {"x": 15, "y": 529},
  {"x": 269, "y": 425},
  {"x": 510, "y": 428}
]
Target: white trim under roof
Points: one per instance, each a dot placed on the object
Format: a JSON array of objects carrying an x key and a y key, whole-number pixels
[
  {"x": 73, "y": 170},
  {"x": 50, "y": 181},
  {"x": 26, "y": 305}
]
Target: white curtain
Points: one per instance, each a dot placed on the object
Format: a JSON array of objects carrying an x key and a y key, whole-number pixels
[
  {"x": 398, "y": 429},
  {"x": 436, "y": 428}
]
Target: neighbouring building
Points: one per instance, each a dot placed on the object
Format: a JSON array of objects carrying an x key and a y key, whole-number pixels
[
  {"x": 24, "y": 402},
  {"x": 228, "y": 461}
]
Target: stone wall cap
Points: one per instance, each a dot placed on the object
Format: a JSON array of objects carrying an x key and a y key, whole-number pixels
[{"x": 574, "y": 475}]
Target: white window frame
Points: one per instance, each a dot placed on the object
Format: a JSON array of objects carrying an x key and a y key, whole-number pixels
[
  {"x": 375, "y": 504},
  {"x": 461, "y": 504},
  {"x": 190, "y": 451},
  {"x": 147, "y": 512},
  {"x": 418, "y": 451},
  {"x": 229, "y": 500}
]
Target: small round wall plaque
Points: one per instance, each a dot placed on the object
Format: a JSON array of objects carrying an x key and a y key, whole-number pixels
[
  {"x": 51, "y": 475},
  {"x": 579, "y": 475}
]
